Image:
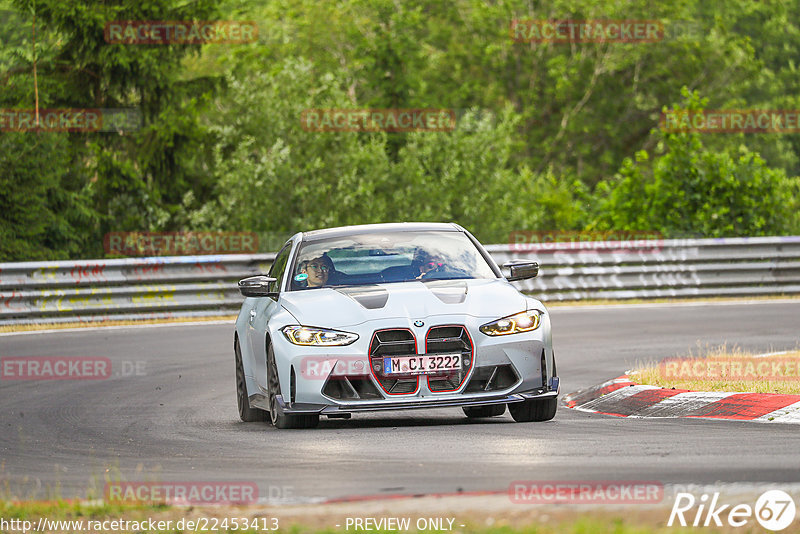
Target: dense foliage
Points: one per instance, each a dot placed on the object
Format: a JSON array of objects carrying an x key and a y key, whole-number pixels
[{"x": 550, "y": 136}]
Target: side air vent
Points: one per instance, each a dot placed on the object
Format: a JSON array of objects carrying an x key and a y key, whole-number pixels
[
  {"x": 351, "y": 388},
  {"x": 492, "y": 378}
]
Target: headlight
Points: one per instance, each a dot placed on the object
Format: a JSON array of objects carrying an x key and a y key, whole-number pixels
[
  {"x": 305, "y": 335},
  {"x": 514, "y": 324}
]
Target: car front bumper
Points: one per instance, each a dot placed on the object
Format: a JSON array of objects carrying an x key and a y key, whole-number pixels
[{"x": 481, "y": 399}]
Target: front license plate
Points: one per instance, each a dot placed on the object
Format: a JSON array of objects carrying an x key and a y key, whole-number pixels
[{"x": 422, "y": 365}]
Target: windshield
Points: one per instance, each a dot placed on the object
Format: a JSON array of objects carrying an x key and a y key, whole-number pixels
[{"x": 388, "y": 258}]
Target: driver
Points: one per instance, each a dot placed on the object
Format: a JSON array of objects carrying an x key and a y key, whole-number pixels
[{"x": 318, "y": 270}]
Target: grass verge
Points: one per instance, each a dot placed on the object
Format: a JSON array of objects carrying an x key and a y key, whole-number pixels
[
  {"x": 724, "y": 369},
  {"x": 541, "y": 519},
  {"x": 671, "y": 300},
  {"x": 132, "y": 322}
]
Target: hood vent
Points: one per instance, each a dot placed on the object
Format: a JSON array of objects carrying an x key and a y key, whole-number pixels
[
  {"x": 448, "y": 291},
  {"x": 370, "y": 297}
]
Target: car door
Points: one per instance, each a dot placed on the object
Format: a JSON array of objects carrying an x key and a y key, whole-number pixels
[{"x": 260, "y": 315}]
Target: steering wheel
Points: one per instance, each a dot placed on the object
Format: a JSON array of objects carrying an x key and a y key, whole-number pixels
[{"x": 442, "y": 272}]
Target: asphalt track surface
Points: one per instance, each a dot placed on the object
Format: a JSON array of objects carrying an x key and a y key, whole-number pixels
[{"x": 177, "y": 420}]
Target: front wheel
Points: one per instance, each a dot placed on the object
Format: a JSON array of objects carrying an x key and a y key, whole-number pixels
[
  {"x": 533, "y": 410},
  {"x": 247, "y": 413},
  {"x": 283, "y": 420}
]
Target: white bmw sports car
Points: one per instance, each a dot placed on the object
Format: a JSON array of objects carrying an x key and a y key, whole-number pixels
[{"x": 391, "y": 317}]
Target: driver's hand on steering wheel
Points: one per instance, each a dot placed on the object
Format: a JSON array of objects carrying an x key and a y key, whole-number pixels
[{"x": 429, "y": 267}]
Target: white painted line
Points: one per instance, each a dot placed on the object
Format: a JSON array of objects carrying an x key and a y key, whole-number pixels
[
  {"x": 615, "y": 396},
  {"x": 789, "y": 414},
  {"x": 772, "y": 354},
  {"x": 683, "y": 404},
  {"x": 580, "y": 408},
  {"x": 579, "y": 393}
]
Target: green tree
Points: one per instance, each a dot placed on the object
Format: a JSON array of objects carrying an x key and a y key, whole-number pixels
[
  {"x": 137, "y": 179},
  {"x": 274, "y": 175},
  {"x": 690, "y": 190},
  {"x": 39, "y": 217}
]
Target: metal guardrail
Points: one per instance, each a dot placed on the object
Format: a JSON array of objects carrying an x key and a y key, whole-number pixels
[
  {"x": 196, "y": 286},
  {"x": 141, "y": 288},
  {"x": 742, "y": 266}
]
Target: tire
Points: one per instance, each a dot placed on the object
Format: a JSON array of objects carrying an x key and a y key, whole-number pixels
[
  {"x": 475, "y": 412},
  {"x": 247, "y": 413},
  {"x": 283, "y": 421},
  {"x": 533, "y": 410}
]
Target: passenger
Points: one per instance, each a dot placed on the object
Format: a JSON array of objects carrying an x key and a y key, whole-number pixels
[{"x": 427, "y": 263}]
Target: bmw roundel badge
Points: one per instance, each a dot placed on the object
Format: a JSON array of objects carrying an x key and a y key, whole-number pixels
[{"x": 419, "y": 324}]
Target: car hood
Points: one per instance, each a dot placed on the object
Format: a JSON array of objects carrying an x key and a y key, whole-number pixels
[{"x": 347, "y": 306}]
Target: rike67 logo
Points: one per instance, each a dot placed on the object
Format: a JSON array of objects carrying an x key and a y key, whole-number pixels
[{"x": 774, "y": 510}]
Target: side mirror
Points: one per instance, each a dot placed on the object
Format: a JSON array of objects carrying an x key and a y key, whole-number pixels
[
  {"x": 521, "y": 270},
  {"x": 257, "y": 286}
]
